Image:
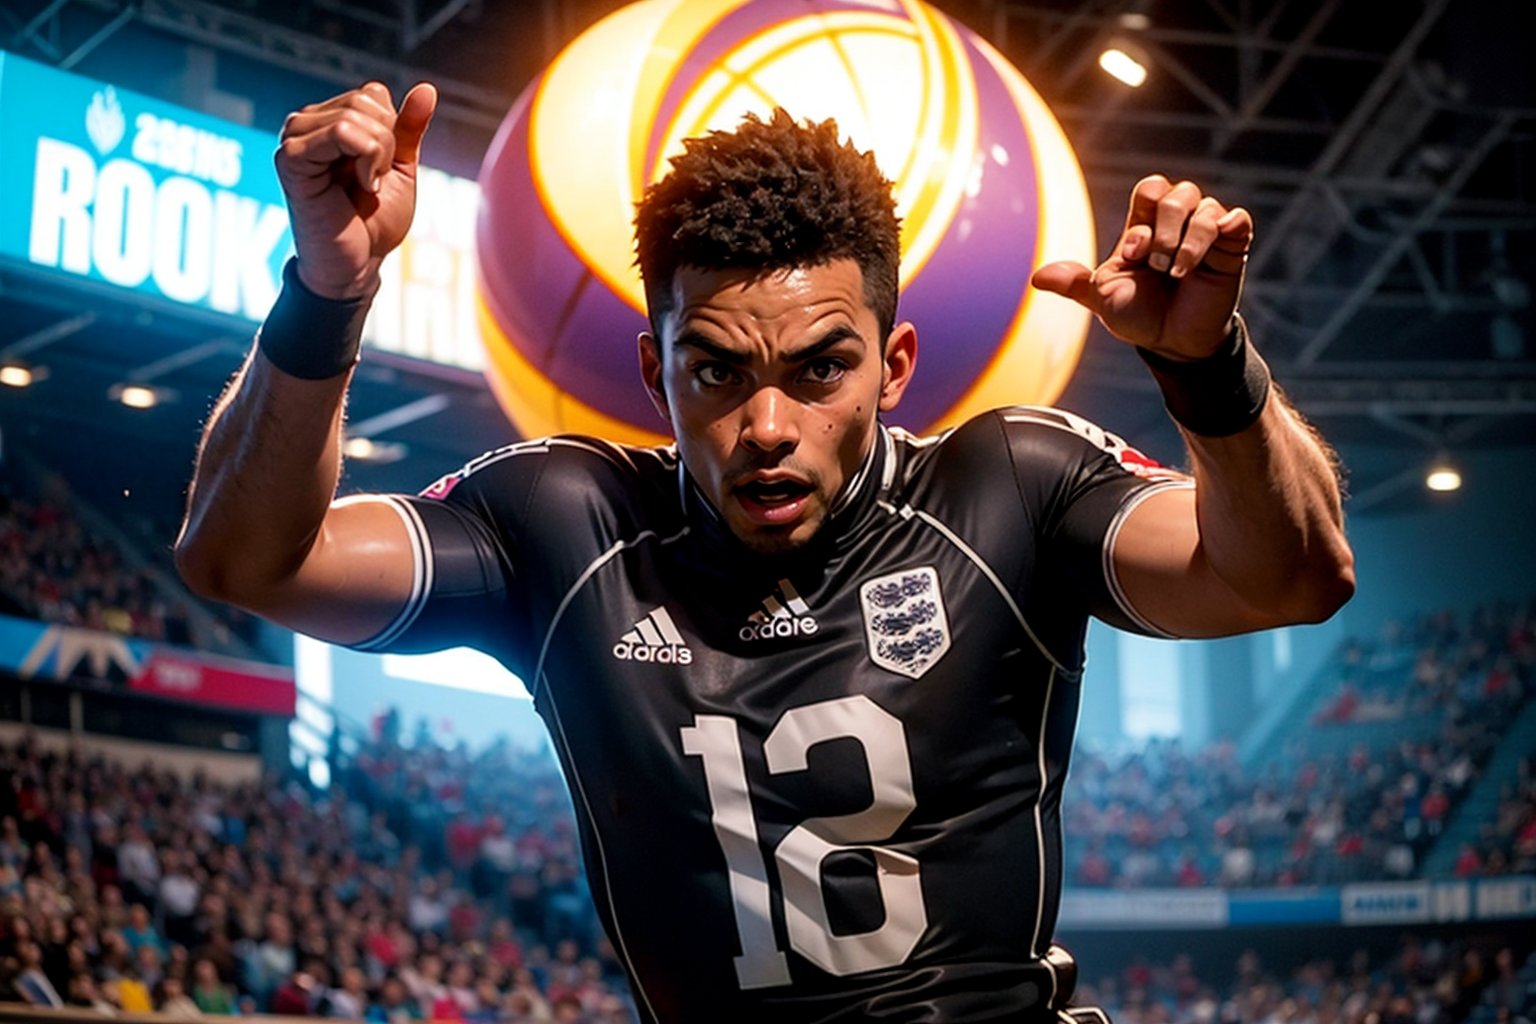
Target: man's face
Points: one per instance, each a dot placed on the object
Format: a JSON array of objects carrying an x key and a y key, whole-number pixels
[{"x": 771, "y": 381}]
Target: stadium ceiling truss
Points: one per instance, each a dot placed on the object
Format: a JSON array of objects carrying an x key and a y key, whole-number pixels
[
  {"x": 1390, "y": 201},
  {"x": 1397, "y": 216}
]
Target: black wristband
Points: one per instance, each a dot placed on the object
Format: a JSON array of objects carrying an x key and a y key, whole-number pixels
[
  {"x": 309, "y": 336},
  {"x": 1217, "y": 396}
]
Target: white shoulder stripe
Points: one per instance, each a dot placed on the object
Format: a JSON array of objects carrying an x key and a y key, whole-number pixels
[
  {"x": 1107, "y": 554},
  {"x": 986, "y": 570},
  {"x": 534, "y": 447},
  {"x": 421, "y": 574}
]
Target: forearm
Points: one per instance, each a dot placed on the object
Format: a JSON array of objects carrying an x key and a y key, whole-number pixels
[
  {"x": 1270, "y": 520},
  {"x": 271, "y": 452},
  {"x": 266, "y": 472}
]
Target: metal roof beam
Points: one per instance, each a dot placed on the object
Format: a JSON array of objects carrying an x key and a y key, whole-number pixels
[
  {"x": 48, "y": 335},
  {"x": 297, "y": 51},
  {"x": 1259, "y": 99},
  {"x": 399, "y": 416},
  {"x": 1067, "y": 22},
  {"x": 1390, "y": 255},
  {"x": 28, "y": 32},
  {"x": 1348, "y": 133}
]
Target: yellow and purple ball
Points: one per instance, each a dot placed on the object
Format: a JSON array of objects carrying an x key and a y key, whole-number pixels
[{"x": 986, "y": 185}]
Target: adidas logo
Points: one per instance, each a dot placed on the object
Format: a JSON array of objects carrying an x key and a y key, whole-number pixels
[
  {"x": 654, "y": 638},
  {"x": 784, "y": 613}
]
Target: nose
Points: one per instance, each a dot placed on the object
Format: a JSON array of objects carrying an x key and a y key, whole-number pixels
[{"x": 769, "y": 422}]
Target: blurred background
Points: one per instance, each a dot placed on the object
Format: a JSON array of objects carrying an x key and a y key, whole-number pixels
[{"x": 1325, "y": 824}]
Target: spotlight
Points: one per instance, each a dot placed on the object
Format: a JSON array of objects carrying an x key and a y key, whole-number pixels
[
  {"x": 1137, "y": 16},
  {"x": 136, "y": 396},
  {"x": 365, "y": 449},
  {"x": 1118, "y": 61},
  {"x": 1443, "y": 476},
  {"x": 357, "y": 448},
  {"x": 17, "y": 376}
]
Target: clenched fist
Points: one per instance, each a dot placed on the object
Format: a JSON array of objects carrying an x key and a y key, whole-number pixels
[
  {"x": 1172, "y": 283},
  {"x": 348, "y": 171}
]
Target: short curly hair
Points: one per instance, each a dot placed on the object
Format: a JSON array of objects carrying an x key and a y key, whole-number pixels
[{"x": 770, "y": 195}]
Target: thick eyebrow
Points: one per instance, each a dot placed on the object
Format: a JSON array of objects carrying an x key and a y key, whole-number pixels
[
  {"x": 714, "y": 350},
  {"x": 840, "y": 333},
  {"x": 693, "y": 339}
]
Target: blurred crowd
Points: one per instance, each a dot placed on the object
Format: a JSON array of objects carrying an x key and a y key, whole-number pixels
[
  {"x": 1163, "y": 816},
  {"x": 1508, "y": 843},
  {"x": 134, "y": 890},
  {"x": 1424, "y": 982},
  {"x": 55, "y": 569},
  {"x": 1436, "y": 662}
]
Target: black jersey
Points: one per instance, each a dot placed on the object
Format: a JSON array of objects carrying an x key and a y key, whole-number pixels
[{"x": 819, "y": 787}]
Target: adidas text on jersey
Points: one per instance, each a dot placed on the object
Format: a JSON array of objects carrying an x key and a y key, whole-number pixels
[
  {"x": 784, "y": 614},
  {"x": 654, "y": 638}
]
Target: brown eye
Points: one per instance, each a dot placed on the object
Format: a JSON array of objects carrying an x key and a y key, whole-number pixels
[
  {"x": 825, "y": 371},
  {"x": 714, "y": 375}
]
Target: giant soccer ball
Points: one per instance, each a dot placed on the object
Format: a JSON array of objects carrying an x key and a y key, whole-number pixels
[{"x": 987, "y": 189}]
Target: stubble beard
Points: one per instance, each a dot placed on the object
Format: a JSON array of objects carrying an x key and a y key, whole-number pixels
[{"x": 767, "y": 542}]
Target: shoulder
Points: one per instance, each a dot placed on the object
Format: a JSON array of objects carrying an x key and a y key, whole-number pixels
[
  {"x": 1046, "y": 440},
  {"x": 565, "y": 459},
  {"x": 1034, "y": 441},
  {"x": 1041, "y": 461},
  {"x": 559, "y": 473}
]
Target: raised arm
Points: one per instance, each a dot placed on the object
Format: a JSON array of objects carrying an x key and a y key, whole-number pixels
[
  {"x": 1259, "y": 542},
  {"x": 262, "y": 530}
]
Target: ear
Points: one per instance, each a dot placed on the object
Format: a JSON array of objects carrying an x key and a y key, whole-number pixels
[
  {"x": 900, "y": 361},
  {"x": 651, "y": 373}
]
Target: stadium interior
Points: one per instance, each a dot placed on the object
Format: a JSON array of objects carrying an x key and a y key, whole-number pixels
[{"x": 1332, "y": 824}]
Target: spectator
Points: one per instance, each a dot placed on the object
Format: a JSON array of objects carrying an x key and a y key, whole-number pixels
[
  {"x": 84, "y": 992},
  {"x": 212, "y": 996},
  {"x": 137, "y": 866},
  {"x": 350, "y": 1001},
  {"x": 141, "y": 931},
  {"x": 297, "y": 995},
  {"x": 32, "y": 984},
  {"x": 130, "y": 994},
  {"x": 394, "y": 1005},
  {"x": 179, "y": 895},
  {"x": 174, "y": 1001}
]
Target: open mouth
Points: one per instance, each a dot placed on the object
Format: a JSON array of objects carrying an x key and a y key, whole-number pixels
[{"x": 773, "y": 502}]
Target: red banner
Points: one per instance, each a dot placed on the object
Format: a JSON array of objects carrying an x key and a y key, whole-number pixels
[{"x": 203, "y": 679}]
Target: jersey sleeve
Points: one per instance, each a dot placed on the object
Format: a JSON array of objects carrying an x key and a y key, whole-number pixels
[
  {"x": 1079, "y": 483},
  {"x": 467, "y": 582},
  {"x": 499, "y": 543}
]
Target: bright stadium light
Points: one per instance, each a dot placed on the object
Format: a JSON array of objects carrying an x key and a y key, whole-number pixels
[
  {"x": 137, "y": 396},
  {"x": 1118, "y": 62},
  {"x": 1443, "y": 477},
  {"x": 16, "y": 376},
  {"x": 357, "y": 448},
  {"x": 366, "y": 449}
]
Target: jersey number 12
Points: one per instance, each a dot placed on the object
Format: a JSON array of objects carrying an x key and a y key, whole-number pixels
[{"x": 799, "y": 856}]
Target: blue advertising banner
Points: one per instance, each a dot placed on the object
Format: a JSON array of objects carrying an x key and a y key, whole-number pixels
[
  {"x": 117, "y": 188},
  {"x": 1365, "y": 904}
]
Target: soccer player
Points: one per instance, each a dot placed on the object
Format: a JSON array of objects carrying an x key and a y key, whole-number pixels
[{"x": 813, "y": 680}]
